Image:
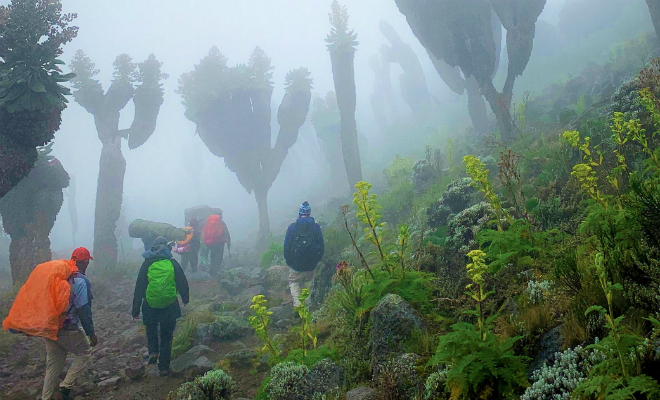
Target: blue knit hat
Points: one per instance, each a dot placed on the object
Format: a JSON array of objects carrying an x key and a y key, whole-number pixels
[{"x": 305, "y": 209}]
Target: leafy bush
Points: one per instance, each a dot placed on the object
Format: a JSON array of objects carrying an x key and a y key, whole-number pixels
[
  {"x": 536, "y": 291},
  {"x": 282, "y": 380},
  {"x": 434, "y": 387},
  {"x": 214, "y": 385},
  {"x": 480, "y": 365},
  {"x": 558, "y": 380}
]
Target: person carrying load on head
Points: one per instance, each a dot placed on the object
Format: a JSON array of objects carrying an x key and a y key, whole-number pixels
[
  {"x": 303, "y": 250},
  {"x": 159, "y": 282},
  {"x": 216, "y": 235},
  {"x": 189, "y": 248},
  {"x": 55, "y": 303}
]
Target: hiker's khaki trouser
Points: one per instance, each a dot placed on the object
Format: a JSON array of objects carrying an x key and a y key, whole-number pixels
[
  {"x": 296, "y": 278},
  {"x": 56, "y": 351}
]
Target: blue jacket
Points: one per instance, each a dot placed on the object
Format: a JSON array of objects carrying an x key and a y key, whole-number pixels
[{"x": 304, "y": 227}]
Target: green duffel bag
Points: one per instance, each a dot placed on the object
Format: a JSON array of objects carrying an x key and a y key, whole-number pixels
[{"x": 140, "y": 229}]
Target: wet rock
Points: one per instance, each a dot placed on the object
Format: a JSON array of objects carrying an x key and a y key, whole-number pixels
[
  {"x": 242, "y": 358},
  {"x": 232, "y": 286},
  {"x": 277, "y": 277},
  {"x": 361, "y": 393},
  {"x": 321, "y": 283},
  {"x": 190, "y": 357},
  {"x": 394, "y": 322},
  {"x": 227, "y": 328},
  {"x": 203, "y": 334},
  {"x": 198, "y": 367},
  {"x": 550, "y": 343},
  {"x": 281, "y": 312},
  {"x": 245, "y": 298},
  {"x": 135, "y": 373},
  {"x": 108, "y": 382},
  {"x": 324, "y": 377}
]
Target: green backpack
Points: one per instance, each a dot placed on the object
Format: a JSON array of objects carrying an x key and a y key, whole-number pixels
[{"x": 161, "y": 290}]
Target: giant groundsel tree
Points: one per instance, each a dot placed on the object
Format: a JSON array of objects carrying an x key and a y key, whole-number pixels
[
  {"x": 29, "y": 212},
  {"x": 106, "y": 107},
  {"x": 231, "y": 107},
  {"x": 461, "y": 34},
  {"x": 32, "y": 98},
  {"x": 341, "y": 45}
]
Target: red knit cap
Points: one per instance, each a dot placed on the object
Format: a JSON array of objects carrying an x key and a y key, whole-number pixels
[{"x": 81, "y": 254}]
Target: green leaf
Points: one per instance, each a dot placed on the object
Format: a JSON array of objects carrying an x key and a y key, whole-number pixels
[
  {"x": 37, "y": 86},
  {"x": 591, "y": 309}
]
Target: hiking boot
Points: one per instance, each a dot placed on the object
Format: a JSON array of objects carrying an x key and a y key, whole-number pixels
[
  {"x": 153, "y": 359},
  {"x": 165, "y": 372},
  {"x": 66, "y": 393}
]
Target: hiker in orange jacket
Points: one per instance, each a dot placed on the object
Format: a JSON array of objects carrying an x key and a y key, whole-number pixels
[{"x": 76, "y": 335}]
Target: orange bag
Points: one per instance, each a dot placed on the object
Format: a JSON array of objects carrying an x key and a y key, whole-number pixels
[{"x": 42, "y": 302}]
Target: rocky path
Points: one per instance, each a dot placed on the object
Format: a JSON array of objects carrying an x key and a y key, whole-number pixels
[{"x": 117, "y": 366}]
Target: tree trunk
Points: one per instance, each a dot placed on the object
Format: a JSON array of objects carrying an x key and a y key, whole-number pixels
[
  {"x": 108, "y": 202},
  {"x": 343, "y": 72},
  {"x": 261, "y": 195},
  {"x": 500, "y": 104},
  {"x": 477, "y": 106},
  {"x": 654, "y": 8},
  {"x": 30, "y": 250}
]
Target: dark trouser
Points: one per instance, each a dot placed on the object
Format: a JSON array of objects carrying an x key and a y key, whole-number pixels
[
  {"x": 191, "y": 258},
  {"x": 164, "y": 348},
  {"x": 217, "y": 252},
  {"x": 160, "y": 324}
]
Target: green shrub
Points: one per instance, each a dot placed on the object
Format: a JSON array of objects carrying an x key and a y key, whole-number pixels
[
  {"x": 214, "y": 385},
  {"x": 283, "y": 379}
]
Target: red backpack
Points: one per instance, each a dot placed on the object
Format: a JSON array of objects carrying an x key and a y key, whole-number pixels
[{"x": 213, "y": 230}]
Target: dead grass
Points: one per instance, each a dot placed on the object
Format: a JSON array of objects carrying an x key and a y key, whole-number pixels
[{"x": 573, "y": 332}]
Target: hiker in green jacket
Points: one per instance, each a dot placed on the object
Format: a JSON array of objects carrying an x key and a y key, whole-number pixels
[{"x": 159, "y": 282}]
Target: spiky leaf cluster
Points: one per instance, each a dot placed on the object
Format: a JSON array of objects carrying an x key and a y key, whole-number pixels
[{"x": 340, "y": 37}]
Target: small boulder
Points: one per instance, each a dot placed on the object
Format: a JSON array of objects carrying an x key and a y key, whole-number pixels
[
  {"x": 108, "y": 382},
  {"x": 190, "y": 357},
  {"x": 361, "y": 393},
  {"x": 281, "y": 313},
  {"x": 245, "y": 298},
  {"x": 277, "y": 277},
  {"x": 324, "y": 377},
  {"x": 227, "y": 328},
  {"x": 203, "y": 334},
  {"x": 242, "y": 358},
  {"x": 321, "y": 283},
  {"x": 135, "y": 373},
  {"x": 394, "y": 322},
  {"x": 550, "y": 343}
]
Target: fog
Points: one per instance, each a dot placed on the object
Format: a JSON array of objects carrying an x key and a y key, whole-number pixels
[{"x": 174, "y": 170}]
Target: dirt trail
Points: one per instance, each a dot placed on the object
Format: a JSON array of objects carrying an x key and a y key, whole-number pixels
[{"x": 122, "y": 345}]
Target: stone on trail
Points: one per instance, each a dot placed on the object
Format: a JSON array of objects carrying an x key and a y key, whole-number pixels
[
  {"x": 394, "y": 323},
  {"x": 135, "y": 373},
  {"x": 321, "y": 283},
  {"x": 112, "y": 381},
  {"x": 361, "y": 393},
  {"x": 190, "y": 357}
]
